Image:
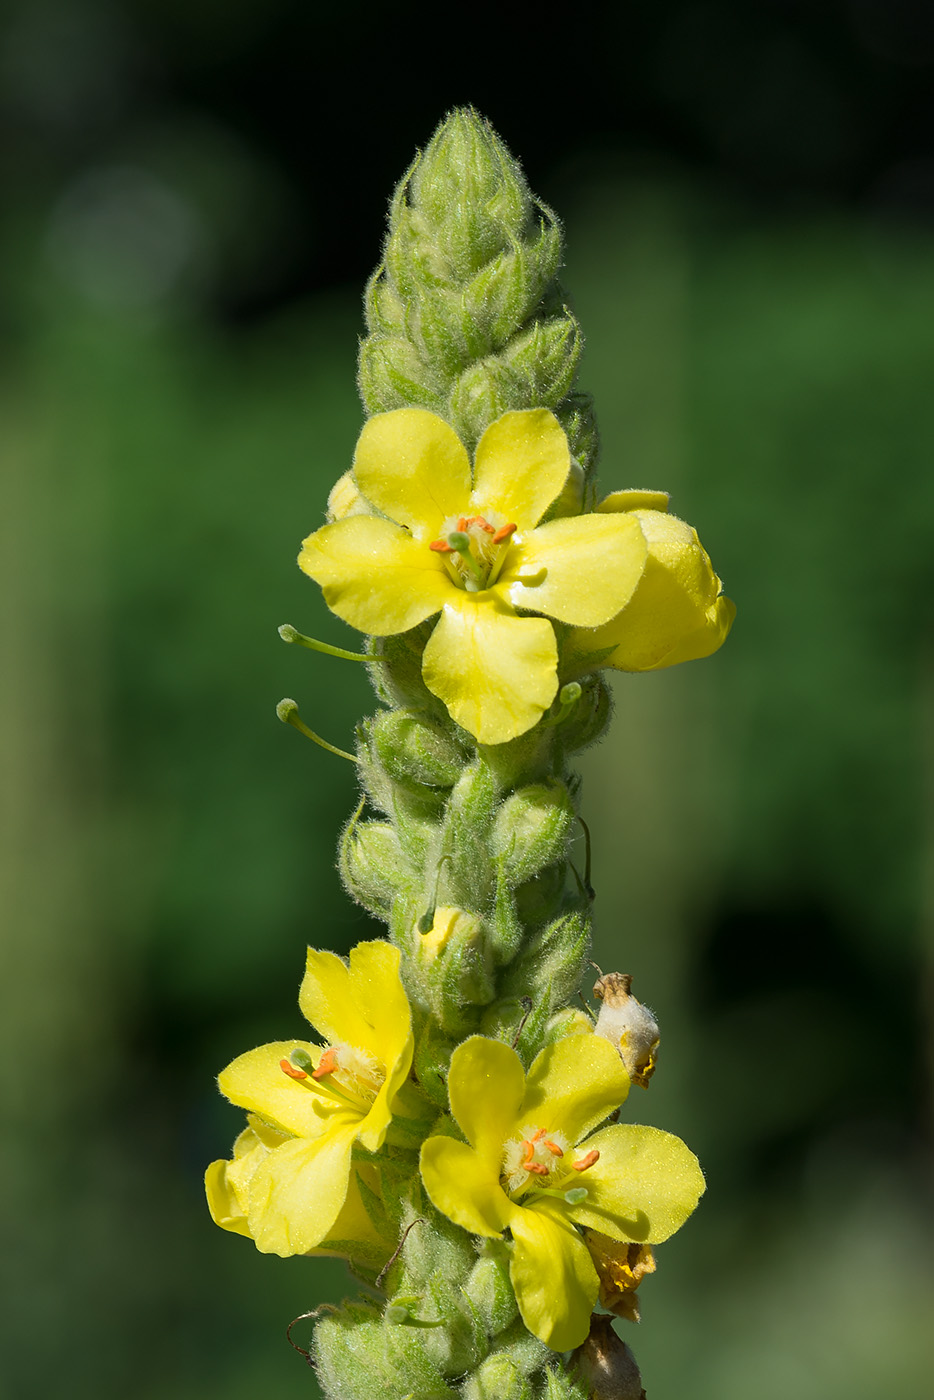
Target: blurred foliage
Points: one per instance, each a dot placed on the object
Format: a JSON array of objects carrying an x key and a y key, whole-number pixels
[{"x": 177, "y": 398}]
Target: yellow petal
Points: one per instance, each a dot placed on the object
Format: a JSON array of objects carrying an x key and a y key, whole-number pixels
[
  {"x": 342, "y": 999},
  {"x": 486, "y": 1084},
  {"x": 353, "y": 1235},
  {"x": 223, "y": 1203},
  {"x": 257, "y": 1082},
  {"x": 644, "y": 1186},
  {"x": 634, "y": 500},
  {"x": 375, "y": 575},
  {"x": 297, "y": 1193},
  {"x": 464, "y": 1187},
  {"x": 677, "y": 613},
  {"x": 522, "y": 462},
  {"x": 413, "y": 467},
  {"x": 553, "y": 1274},
  {"x": 574, "y": 1084},
  {"x": 496, "y": 672},
  {"x": 580, "y": 570}
]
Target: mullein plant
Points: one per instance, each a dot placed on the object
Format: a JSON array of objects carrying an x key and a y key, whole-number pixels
[{"x": 452, "y": 1125}]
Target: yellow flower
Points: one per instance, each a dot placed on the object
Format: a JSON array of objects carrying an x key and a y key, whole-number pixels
[
  {"x": 228, "y": 1184},
  {"x": 471, "y": 548},
  {"x": 291, "y": 1177},
  {"x": 677, "y": 613},
  {"x": 533, "y": 1165}
]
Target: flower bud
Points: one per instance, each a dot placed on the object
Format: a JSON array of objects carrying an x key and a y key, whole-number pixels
[
  {"x": 392, "y": 374},
  {"x": 628, "y": 1025},
  {"x": 490, "y": 1291},
  {"x": 531, "y": 829},
  {"x": 678, "y": 611},
  {"x": 373, "y": 866},
  {"x": 589, "y": 718},
  {"x": 455, "y": 967},
  {"x": 550, "y": 966},
  {"x": 605, "y": 1365},
  {"x": 545, "y": 357},
  {"x": 484, "y": 392},
  {"x": 415, "y": 752},
  {"x": 498, "y": 1378}
]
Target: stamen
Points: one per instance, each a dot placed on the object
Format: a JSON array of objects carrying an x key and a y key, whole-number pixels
[
  {"x": 592, "y": 1156},
  {"x": 503, "y": 533},
  {"x": 538, "y": 1168},
  {"x": 291, "y": 1070},
  {"x": 326, "y": 1065},
  {"x": 463, "y": 523},
  {"x": 485, "y": 525},
  {"x": 441, "y": 547},
  {"x": 553, "y": 1148}
]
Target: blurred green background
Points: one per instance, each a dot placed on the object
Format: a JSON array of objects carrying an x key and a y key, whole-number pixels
[{"x": 193, "y": 196}]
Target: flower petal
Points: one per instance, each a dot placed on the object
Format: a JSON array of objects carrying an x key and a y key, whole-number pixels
[
  {"x": 580, "y": 570},
  {"x": 464, "y": 1187},
  {"x": 414, "y": 468},
  {"x": 551, "y": 1270},
  {"x": 361, "y": 1001},
  {"x": 223, "y": 1203},
  {"x": 297, "y": 1193},
  {"x": 486, "y": 1084},
  {"x": 375, "y": 575},
  {"x": 644, "y": 1186},
  {"x": 256, "y": 1081},
  {"x": 574, "y": 1084},
  {"x": 496, "y": 672},
  {"x": 522, "y": 462},
  {"x": 677, "y": 613}
]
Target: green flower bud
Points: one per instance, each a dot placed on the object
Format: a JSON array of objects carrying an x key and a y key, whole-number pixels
[
  {"x": 392, "y": 374},
  {"x": 531, "y": 829},
  {"x": 455, "y": 968},
  {"x": 535, "y": 899},
  {"x": 468, "y": 818},
  {"x": 483, "y": 393},
  {"x": 490, "y": 1291},
  {"x": 550, "y": 967},
  {"x": 498, "y": 1378},
  {"x": 355, "y": 1354},
  {"x": 545, "y": 358},
  {"x": 588, "y": 720},
  {"x": 416, "y": 753},
  {"x": 560, "y": 1386},
  {"x": 372, "y": 865}
]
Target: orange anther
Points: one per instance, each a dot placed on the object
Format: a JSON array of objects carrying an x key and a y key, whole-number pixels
[
  {"x": 537, "y": 1168},
  {"x": 326, "y": 1065},
  {"x": 592, "y": 1156},
  {"x": 538, "y": 1135},
  {"x": 503, "y": 533},
  {"x": 553, "y": 1148},
  {"x": 463, "y": 523},
  {"x": 441, "y": 547},
  {"x": 288, "y": 1068},
  {"x": 485, "y": 525}
]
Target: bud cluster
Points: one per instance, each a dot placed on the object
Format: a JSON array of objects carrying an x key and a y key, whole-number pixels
[{"x": 465, "y": 315}]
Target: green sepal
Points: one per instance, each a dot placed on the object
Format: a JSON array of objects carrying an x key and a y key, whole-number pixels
[
  {"x": 433, "y": 1050},
  {"x": 416, "y": 753}
]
